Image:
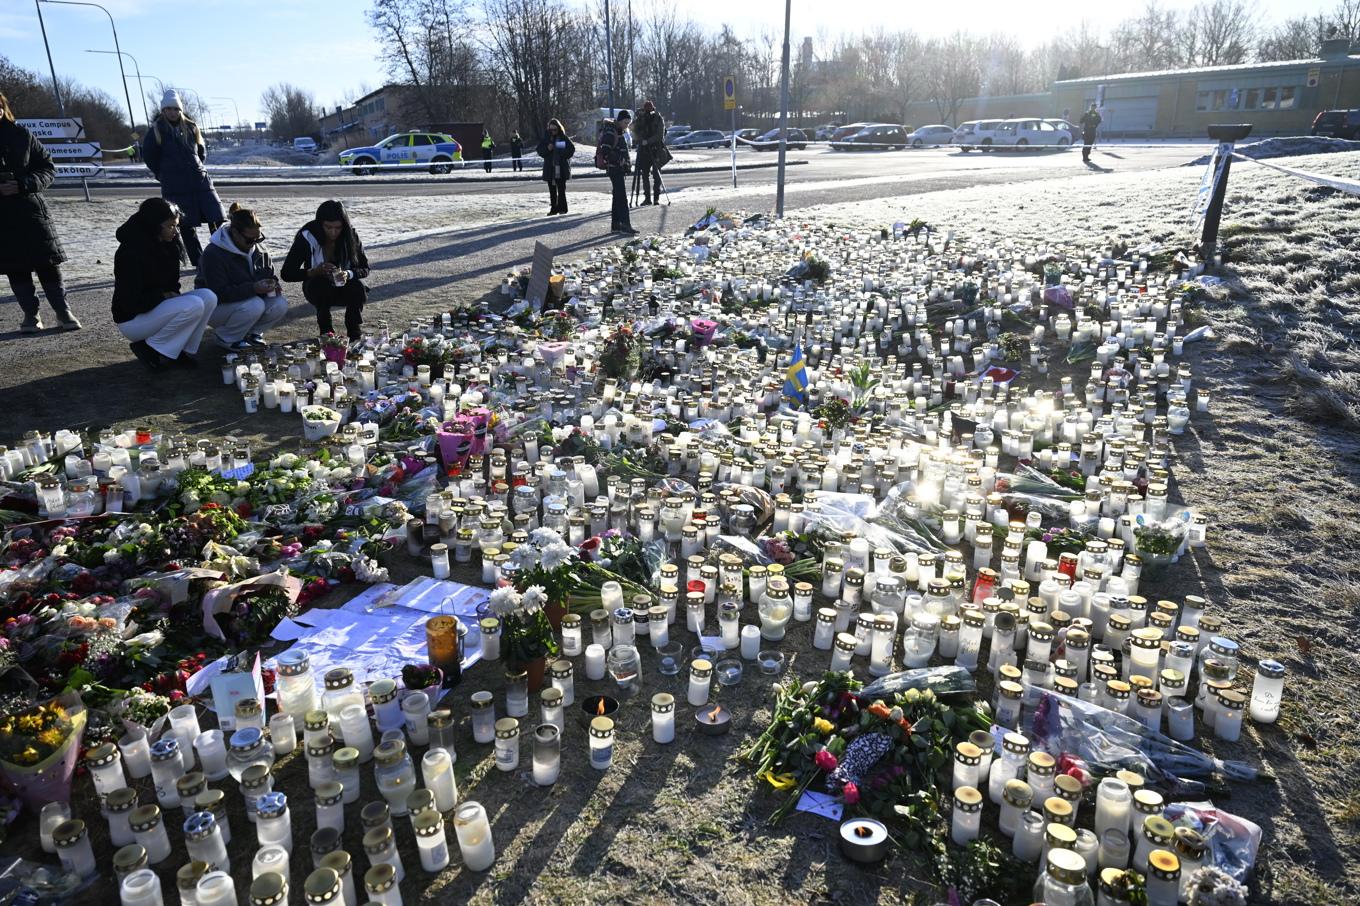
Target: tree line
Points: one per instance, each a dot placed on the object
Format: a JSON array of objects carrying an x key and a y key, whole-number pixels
[{"x": 515, "y": 63}]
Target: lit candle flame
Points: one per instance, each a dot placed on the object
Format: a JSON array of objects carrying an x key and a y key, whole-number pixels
[
  {"x": 863, "y": 831},
  {"x": 713, "y": 715},
  {"x": 599, "y": 709}
]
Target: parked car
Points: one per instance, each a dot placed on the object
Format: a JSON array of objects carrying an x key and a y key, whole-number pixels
[
  {"x": 975, "y": 134},
  {"x": 1337, "y": 124},
  {"x": 305, "y": 143},
  {"x": 824, "y": 133},
  {"x": 675, "y": 132},
  {"x": 701, "y": 138},
  {"x": 931, "y": 135},
  {"x": 433, "y": 149},
  {"x": 1072, "y": 129},
  {"x": 770, "y": 140},
  {"x": 876, "y": 138},
  {"x": 746, "y": 136},
  {"x": 1030, "y": 132},
  {"x": 844, "y": 132}
]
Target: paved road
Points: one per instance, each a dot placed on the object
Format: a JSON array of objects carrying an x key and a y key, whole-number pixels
[{"x": 59, "y": 380}]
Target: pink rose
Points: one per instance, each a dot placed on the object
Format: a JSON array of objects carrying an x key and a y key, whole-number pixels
[
  {"x": 851, "y": 794},
  {"x": 825, "y": 761}
]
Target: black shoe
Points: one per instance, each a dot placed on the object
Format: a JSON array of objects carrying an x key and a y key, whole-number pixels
[
  {"x": 185, "y": 361},
  {"x": 646, "y": 203},
  {"x": 626, "y": 230},
  {"x": 148, "y": 356}
]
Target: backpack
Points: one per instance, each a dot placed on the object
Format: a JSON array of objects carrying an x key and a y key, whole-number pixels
[{"x": 602, "y": 151}]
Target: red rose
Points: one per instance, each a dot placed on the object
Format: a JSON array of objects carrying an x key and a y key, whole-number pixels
[
  {"x": 851, "y": 794},
  {"x": 825, "y": 761}
]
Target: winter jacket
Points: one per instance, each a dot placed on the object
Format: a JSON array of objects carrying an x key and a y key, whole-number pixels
[
  {"x": 649, "y": 129},
  {"x": 144, "y": 269},
  {"x": 230, "y": 272},
  {"x": 516, "y": 147},
  {"x": 28, "y": 240},
  {"x": 1089, "y": 121},
  {"x": 308, "y": 252},
  {"x": 488, "y": 146},
  {"x": 615, "y": 146},
  {"x": 556, "y": 161},
  {"x": 175, "y": 157}
]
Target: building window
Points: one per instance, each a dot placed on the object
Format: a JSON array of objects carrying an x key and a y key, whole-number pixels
[
  {"x": 1267, "y": 98},
  {"x": 382, "y": 103},
  {"x": 1287, "y": 98},
  {"x": 1253, "y": 99},
  {"x": 1202, "y": 101}
]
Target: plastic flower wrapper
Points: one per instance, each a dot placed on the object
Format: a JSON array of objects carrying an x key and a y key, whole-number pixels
[
  {"x": 39, "y": 748},
  {"x": 1109, "y": 742},
  {"x": 1233, "y": 840}
]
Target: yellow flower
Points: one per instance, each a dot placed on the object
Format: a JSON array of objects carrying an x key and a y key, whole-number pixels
[
  {"x": 779, "y": 781},
  {"x": 824, "y": 726},
  {"x": 30, "y": 723},
  {"x": 51, "y": 737},
  {"x": 28, "y": 756}
]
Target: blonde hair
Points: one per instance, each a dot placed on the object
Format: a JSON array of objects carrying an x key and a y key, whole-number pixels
[{"x": 6, "y": 112}]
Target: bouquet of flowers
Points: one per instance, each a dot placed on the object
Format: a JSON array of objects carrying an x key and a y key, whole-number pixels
[
  {"x": 334, "y": 347},
  {"x": 526, "y": 634},
  {"x": 39, "y": 748},
  {"x": 621, "y": 358},
  {"x": 557, "y": 569}
]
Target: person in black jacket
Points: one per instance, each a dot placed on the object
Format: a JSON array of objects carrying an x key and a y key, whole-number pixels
[
  {"x": 164, "y": 325},
  {"x": 240, "y": 272},
  {"x": 1090, "y": 121},
  {"x": 517, "y": 152},
  {"x": 28, "y": 242},
  {"x": 556, "y": 150},
  {"x": 174, "y": 152},
  {"x": 614, "y": 146},
  {"x": 328, "y": 259}
]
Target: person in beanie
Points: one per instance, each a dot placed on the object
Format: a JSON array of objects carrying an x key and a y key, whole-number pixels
[
  {"x": 174, "y": 152},
  {"x": 556, "y": 150},
  {"x": 488, "y": 149},
  {"x": 650, "y": 133},
  {"x": 240, "y": 273},
  {"x": 614, "y": 148},
  {"x": 164, "y": 325},
  {"x": 328, "y": 259},
  {"x": 28, "y": 241},
  {"x": 517, "y": 152},
  {"x": 1090, "y": 121}
]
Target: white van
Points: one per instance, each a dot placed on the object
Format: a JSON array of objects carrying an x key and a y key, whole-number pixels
[
  {"x": 975, "y": 134},
  {"x": 305, "y": 143}
]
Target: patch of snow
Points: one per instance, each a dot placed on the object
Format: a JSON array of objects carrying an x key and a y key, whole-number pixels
[{"x": 1287, "y": 146}]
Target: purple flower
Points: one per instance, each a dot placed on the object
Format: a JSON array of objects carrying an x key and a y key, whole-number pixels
[{"x": 1048, "y": 536}]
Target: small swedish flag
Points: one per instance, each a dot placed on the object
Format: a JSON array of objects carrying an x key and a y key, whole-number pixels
[{"x": 796, "y": 377}]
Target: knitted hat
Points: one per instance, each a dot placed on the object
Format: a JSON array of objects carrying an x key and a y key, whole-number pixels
[{"x": 171, "y": 100}]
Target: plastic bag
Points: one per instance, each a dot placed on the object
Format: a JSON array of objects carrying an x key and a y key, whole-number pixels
[
  {"x": 39, "y": 748},
  {"x": 940, "y": 680},
  {"x": 1233, "y": 840},
  {"x": 1109, "y": 742}
]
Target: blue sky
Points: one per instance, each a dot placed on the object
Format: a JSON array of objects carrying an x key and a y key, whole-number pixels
[{"x": 233, "y": 50}]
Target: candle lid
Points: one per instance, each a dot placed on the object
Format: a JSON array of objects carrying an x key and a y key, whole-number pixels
[
  {"x": 390, "y": 752},
  {"x": 322, "y": 885},
  {"x": 380, "y": 878},
  {"x": 267, "y": 889},
  {"x": 1067, "y": 865},
  {"x": 316, "y": 720},
  {"x": 337, "y": 861},
  {"x": 324, "y": 840},
  {"x": 209, "y": 800},
  {"x": 663, "y": 702},
  {"x": 322, "y": 749},
  {"x": 190, "y": 873},
  {"x": 121, "y": 799},
  {"x": 374, "y": 814},
  {"x": 967, "y": 753},
  {"x": 377, "y": 839},
  {"x": 601, "y": 727},
  {"x": 129, "y": 858},
  {"x": 1058, "y": 835},
  {"x": 1164, "y": 865},
  {"x": 438, "y": 720},
  {"x": 428, "y": 823},
  {"x": 164, "y": 749},
  {"x": 341, "y": 677},
  {"x": 256, "y": 775},
  {"x": 100, "y": 755},
  {"x": 1056, "y": 808},
  {"x": 507, "y": 728},
  {"x": 244, "y": 739},
  {"x": 199, "y": 825},
  {"x": 1158, "y": 830},
  {"x": 1068, "y": 787},
  {"x": 191, "y": 784},
  {"x": 143, "y": 818},
  {"x": 294, "y": 662},
  {"x": 383, "y": 691},
  {"x": 328, "y": 793},
  {"x": 1018, "y": 793}
]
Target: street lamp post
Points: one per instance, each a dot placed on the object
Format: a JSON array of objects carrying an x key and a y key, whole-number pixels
[
  {"x": 137, "y": 67},
  {"x": 609, "y": 57},
  {"x": 132, "y": 117},
  {"x": 233, "y": 107},
  {"x": 783, "y": 112}
]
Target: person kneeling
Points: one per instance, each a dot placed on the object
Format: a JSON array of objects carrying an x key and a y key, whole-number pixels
[
  {"x": 238, "y": 269},
  {"x": 164, "y": 325},
  {"x": 328, "y": 259}
]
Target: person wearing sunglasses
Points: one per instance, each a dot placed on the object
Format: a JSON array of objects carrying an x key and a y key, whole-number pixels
[{"x": 236, "y": 267}]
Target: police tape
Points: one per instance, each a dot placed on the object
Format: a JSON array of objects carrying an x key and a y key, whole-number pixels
[{"x": 1349, "y": 186}]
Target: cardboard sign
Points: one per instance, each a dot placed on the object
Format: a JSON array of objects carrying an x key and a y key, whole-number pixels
[{"x": 538, "y": 276}]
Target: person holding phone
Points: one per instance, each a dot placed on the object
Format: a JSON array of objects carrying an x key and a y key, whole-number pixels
[
  {"x": 241, "y": 274},
  {"x": 556, "y": 150},
  {"x": 28, "y": 241},
  {"x": 328, "y": 259},
  {"x": 174, "y": 152}
]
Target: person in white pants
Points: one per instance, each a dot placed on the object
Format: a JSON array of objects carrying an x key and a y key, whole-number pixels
[
  {"x": 164, "y": 325},
  {"x": 238, "y": 270}
]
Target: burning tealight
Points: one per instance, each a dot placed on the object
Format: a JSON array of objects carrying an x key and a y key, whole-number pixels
[
  {"x": 864, "y": 840},
  {"x": 714, "y": 721}
]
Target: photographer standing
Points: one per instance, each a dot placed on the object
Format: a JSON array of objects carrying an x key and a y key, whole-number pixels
[{"x": 650, "y": 133}]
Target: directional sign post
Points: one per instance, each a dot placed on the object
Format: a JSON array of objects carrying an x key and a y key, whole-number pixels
[
  {"x": 57, "y": 127},
  {"x": 730, "y": 103},
  {"x": 73, "y": 151},
  {"x": 79, "y": 171}
]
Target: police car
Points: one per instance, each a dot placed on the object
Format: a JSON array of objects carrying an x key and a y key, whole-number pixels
[{"x": 433, "y": 149}]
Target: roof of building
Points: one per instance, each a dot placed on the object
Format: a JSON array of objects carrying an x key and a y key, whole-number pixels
[{"x": 1211, "y": 70}]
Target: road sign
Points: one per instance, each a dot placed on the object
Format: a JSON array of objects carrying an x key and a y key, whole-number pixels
[
  {"x": 1314, "y": 76},
  {"x": 729, "y": 93},
  {"x": 72, "y": 151},
  {"x": 57, "y": 127},
  {"x": 79, "y": 171},
  {"x": 261, "y": 126}
]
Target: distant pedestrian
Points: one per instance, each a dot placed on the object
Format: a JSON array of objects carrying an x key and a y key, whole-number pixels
[
  {"x": 28, "y": 241},
  {"x": 1090, "y": 121},
  {"x": 517, "y": 152},
  {"x": 556, "y": 150},
  {"x": 164, "y": 325},
  {"x": 328, "y": 259},
  {"x": 650, "y": 133},
  {"x": 612, "y": 154},
  {"x": 174, "y": 153},
  {"x": 240, "y": 273},
  {"x": 488, "y": 149}
]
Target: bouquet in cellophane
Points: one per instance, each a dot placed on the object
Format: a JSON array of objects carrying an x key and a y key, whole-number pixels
[{"x": 39, "y": 747}]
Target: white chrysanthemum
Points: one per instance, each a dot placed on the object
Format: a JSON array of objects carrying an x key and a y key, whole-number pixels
[
  {"x": 544, "y": 537},
  {"x": 535, "y": 597},
  {"x": 524, "y": 557},
  {"x": 504, "y": 601},
  {"x": 557, "y": 555}
]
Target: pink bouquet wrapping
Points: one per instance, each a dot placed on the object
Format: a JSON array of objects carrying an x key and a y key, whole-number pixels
[
  {"x": 39, "y": 748},
  {"x": 703, "y": 330}
]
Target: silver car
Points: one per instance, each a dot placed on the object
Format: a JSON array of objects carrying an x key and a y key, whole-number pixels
[
  {"x": 978, "y": 134},
  {"x": 931, "y": 135}
]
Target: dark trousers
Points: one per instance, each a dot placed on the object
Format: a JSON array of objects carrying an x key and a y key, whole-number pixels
[
  {"x": 619, "y": 211},
  {"x": 325, "y": 295},
  {"x": 488, "y": 163},
  {"x": 651, "y": 176},
  {"x": 190, "y": 236},
  {"x": 557, "y": 194},
  {"x": 518, "y": 163},
  {"x": 27, "y": 293},
  {"x": 1087, "y": 142}
]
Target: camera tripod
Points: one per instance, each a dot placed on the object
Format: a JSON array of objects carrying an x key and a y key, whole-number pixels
[{"x": 660, "y": 184}]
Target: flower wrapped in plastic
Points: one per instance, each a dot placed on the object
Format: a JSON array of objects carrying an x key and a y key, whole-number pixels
[{"x": 39, "y": 748}]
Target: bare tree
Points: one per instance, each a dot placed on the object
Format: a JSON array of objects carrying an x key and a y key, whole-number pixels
[
  {"x": 1227, "y": 31},
  {"x": 291, "y": 111},
  {"x": 952, "y": 73},
  {"x": 1294, "y": 39},
  {"x": 525, "y": 40}
]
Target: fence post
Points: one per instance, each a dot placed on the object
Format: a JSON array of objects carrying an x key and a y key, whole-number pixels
[{"x": 1226, "y": 135}]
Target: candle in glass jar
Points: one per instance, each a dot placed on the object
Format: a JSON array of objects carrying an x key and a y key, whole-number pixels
[
  {"x": 967, "y": 818},
  {"x": 432, "y": 842},
  {"x": 563, "y": 680},
  {"x": 595, "y": 662},
  {"x": 547, "y": 754},
  {"x": 750, "y": 641},
  {"x": 137, "y": 753},
  {"x": 439, "y": 560},
  {"x": 571, "y": 635},
  {"x": 700, "y": 677},
  {"x": 436, "y": 767},
  {"x": 483, "y": 706},
  {"x": 507, "y": 744},
  {"x": 663, "y": 717},
  {"x": 601, "y": 743},
  {"x": 1266, "y": 691},
  {"x": 474, "y": 836}
]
